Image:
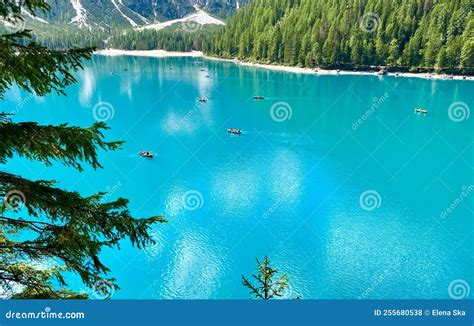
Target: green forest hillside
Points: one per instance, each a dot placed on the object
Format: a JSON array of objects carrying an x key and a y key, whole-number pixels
[
  {"x": 172, "y": 38},
  {"x": 416, "y": 35}
]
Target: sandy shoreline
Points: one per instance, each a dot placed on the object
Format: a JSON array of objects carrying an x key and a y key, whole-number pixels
[
  {"x": 165, "y": 54},
  {"x": 147, "y": 53},
  {"x": 319, "y": 71}
]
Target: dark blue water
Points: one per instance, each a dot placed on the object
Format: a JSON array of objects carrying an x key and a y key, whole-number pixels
[{"x": 348, "y": 208}]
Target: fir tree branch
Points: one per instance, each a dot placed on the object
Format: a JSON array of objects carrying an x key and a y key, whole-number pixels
[
  {"x": 12, "y": 9},
  {"x": 253, "y": 289},
  {"x": 269, "y": 288},
  {"x": 78, "y": 231},
  {"x": 62, "y": 227},
  {"x": 36, "y": 68},
  {"x": 69, "y": 145}
]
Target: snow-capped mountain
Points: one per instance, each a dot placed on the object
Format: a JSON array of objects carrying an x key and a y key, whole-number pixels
[
  {"x": 200, "y": 17},
  {"x": 138, "y": 14}
]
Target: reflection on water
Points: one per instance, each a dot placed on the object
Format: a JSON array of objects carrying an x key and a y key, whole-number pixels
[
  {"x": 88, "y": 85},
  {"x": 235, "y": 189},
  {"x": 193, "y": 272},
  {"x": 289, "y": 190},
  {"x": 286, "y": 175}
]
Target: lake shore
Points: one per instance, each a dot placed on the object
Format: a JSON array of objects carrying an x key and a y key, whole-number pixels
[
  {"x": 147, "y": 53},
  {"x": 299, "y": 70},
  {"x": 319, "y": 71}
]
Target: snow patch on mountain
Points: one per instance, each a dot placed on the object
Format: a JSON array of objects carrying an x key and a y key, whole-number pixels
[
  {"x": 27, "y": 13},
  {"x": 146, "y": 21},
  {"x": 131, "y": 21},
  {"x": 200, "y": 17},
  {"x": 81, "y": 14},
  {"x": 135, "y": 13}
]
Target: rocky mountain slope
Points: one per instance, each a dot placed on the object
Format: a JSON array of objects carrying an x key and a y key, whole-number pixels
[{"x": 132, "y": 13}]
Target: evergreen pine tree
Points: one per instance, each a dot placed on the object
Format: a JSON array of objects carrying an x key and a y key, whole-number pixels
[
  {"x": 62, "y": 227},
  {"x": 269, "y": 285}
]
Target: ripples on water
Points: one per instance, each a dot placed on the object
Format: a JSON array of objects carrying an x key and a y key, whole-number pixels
[{"x": 290, "y": 190}]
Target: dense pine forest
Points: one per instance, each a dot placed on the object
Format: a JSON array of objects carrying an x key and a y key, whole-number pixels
[
  {"x": 414, "y": 35},
  {"x": 64, "y": 37},
  {"x": 401, "y": 34},
  {"x": 171, "y": 39}
]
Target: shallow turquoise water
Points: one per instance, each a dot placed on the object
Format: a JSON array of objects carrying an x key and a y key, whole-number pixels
[{"x": 290, "y": 190}]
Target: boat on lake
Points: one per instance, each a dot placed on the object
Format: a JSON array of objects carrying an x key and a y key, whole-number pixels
[
  {"x": 258, "y": 97},
  {"x": 146, "y": 154},
  {"x": 418, "y": 110},
  {"x": 202, "y": 100},
  {"x": 234, "y": 131}
]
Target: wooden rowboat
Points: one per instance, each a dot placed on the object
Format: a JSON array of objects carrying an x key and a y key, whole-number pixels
[
  {"x": 146, "y": 154},
  {"x": 234, "y": 131},
  {"x": 418, "y": 110}
]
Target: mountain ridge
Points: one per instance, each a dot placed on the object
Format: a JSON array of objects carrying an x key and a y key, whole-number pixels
[{"x": 132, "y": 14}]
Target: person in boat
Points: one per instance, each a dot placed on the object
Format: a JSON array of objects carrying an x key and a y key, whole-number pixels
[
  {"x": 146, "y": 154},
  {"x": 234, "y": 131},
  {"x": 202, "y": 99}
]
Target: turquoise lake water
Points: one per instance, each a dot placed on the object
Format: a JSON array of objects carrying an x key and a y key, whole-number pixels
[{"x": 335, "y": 178}]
